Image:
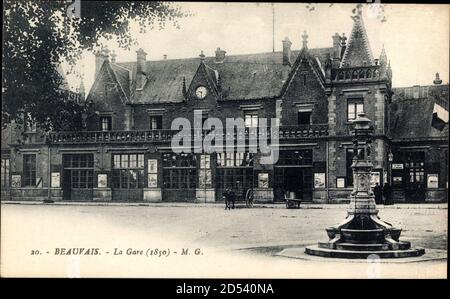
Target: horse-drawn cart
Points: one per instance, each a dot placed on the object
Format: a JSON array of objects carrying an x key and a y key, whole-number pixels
[
  {"x": 291, "y": 201},
  {"x": 241, "y": 195}
]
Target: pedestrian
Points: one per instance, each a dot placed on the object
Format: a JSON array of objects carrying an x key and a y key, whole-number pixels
[
  {"x": 226, "y": 197},
  {"x": 377, "y": 191},
  {"x": 387, "y": 191},
  {"x": 232, "y": 198}
]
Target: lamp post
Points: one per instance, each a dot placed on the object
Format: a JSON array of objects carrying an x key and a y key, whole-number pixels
[
  {"x": 390, "y": 160},
  {"x": 363, "y": 233}
]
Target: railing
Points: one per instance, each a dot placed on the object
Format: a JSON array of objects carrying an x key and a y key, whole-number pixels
[
  {"x": 110, "y": 136},
  {"x": 303, "y": 131},
  {"x": 364, "y": 73},
  {"x": 91, "y": 137}
]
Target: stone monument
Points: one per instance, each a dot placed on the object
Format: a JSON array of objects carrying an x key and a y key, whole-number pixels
[{"x": 363, "y": 233}]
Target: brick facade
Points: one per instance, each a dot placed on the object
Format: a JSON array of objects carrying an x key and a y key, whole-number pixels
[{"x": 323, "y": 82}]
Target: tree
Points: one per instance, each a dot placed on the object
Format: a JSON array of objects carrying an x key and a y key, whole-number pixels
[{"x": 40, "y": 34}]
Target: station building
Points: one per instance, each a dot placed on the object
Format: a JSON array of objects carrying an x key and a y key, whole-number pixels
[{"x": 124, "y": 153}]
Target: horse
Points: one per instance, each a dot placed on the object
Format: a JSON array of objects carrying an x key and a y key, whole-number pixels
[{"x": 230, "y": 199}]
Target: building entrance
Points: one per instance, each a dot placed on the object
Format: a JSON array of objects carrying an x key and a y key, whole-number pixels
[
  {"x": 415, "y": 176},
  {"x": 78, "y": 177},
  {"x": 293, "y": 181}
]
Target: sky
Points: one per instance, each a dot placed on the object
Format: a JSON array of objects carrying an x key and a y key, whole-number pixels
[{"x": 415, "y": 36}]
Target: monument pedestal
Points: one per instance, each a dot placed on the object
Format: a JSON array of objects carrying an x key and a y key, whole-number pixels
[{"x": 363, "y": 233}]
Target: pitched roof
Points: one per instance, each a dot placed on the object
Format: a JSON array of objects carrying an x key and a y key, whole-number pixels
[
  {"x": 358, "y": 49},
  {"x": 412, "y": 117},
  {"x": 250, "y": 76},
  {"x": 123, "y": 77}
]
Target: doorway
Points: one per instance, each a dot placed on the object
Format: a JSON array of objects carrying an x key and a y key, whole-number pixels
[
  {"x": 78, "y": 177},
  {"x": 295, "y": 179}
]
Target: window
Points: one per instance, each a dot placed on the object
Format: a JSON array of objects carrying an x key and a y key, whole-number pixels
[
  {"x": 415, "y": 168},
  {"x": 349, "y": 171},
  {"x": 29, "y": 170},
  {"x": 205, "y": 178},
  {"x": 354, "y": 107},
  {"x": 204, "y": 115},
  {"x": 82, "y": 179},
  {"x": 128, "y": 171},
  {"x": 235, "y": 178},
  {"x": 81, "y": 170},
  {"x": 5, "y": 173},
  {"x": 299, "y": 157},
  {"x": 237, "y": 159},
  {"x": 304, "y": 79},
  {"x": 179, "y": 171},
  {"x": 106, "y": 123},
  {"x": 304, "y": 117},
  {"x": 251, "y": 120},
  {"x": 155, "y": 122}
]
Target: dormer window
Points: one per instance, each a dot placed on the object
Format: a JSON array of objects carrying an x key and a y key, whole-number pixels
[
  {"x": 251, "y": 119},
  {"x": 105, "y": 123},
  {"x": 155, "y": 122},
  {"x": 304, "y": 117},
  {"x": 354, "y": 107}
]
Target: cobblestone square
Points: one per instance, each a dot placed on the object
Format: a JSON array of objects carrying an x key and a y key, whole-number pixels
[{"x": 234, "y": 243}]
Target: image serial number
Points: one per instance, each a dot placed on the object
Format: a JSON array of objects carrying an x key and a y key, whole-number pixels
[{"x": 247, "y": 288}]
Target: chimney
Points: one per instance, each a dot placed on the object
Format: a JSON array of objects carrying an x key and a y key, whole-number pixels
[
  {"x": 82, "y": 90},
  {"x": 140, "y": 69},
  {"x": 343, "y": 45},
  {"x": 286, "y": 51},
  {"x": 437, "y": 80},
  {"x": 305, "y": 39},
  {"x": 202, "y": 56},
  {"x": 336, "y": 46},
  {"x": 100, "y": 57},
  {"x": 220, "y": 55},
  {"x": 106, "y": 52},
  {"x": 328, "y": 66},
  {"x": 113, "y": 57}
]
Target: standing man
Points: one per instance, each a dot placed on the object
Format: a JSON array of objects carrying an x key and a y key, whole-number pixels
[
  {"x": 387, "y": 191},
  {"x": 378, "y": 194}
]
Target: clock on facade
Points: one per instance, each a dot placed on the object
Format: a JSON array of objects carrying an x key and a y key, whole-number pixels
[{"x": 201, "y": 92}]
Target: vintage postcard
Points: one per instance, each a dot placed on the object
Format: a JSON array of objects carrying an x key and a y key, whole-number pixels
[{"x": 224, "y": 140}]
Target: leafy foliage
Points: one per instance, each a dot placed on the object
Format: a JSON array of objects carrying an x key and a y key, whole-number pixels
[{"x": 38, "y": 35}]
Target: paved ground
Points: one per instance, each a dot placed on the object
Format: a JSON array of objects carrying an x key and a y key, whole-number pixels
[{"x": 237, "y": 243}]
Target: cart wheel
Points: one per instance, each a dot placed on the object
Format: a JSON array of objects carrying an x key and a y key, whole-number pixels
[{"x": 249, "y": 198}]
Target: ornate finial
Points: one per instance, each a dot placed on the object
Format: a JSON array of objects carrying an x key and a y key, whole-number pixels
[
  {"x": 359, "y": 10},
  {"x": 389, "y": 70},
  {"x": 305, "y": 39},
  {"x": 437, "y": 80},
  {"x": 343, "y": 40},
  {"x": 202, "y": 56}
]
